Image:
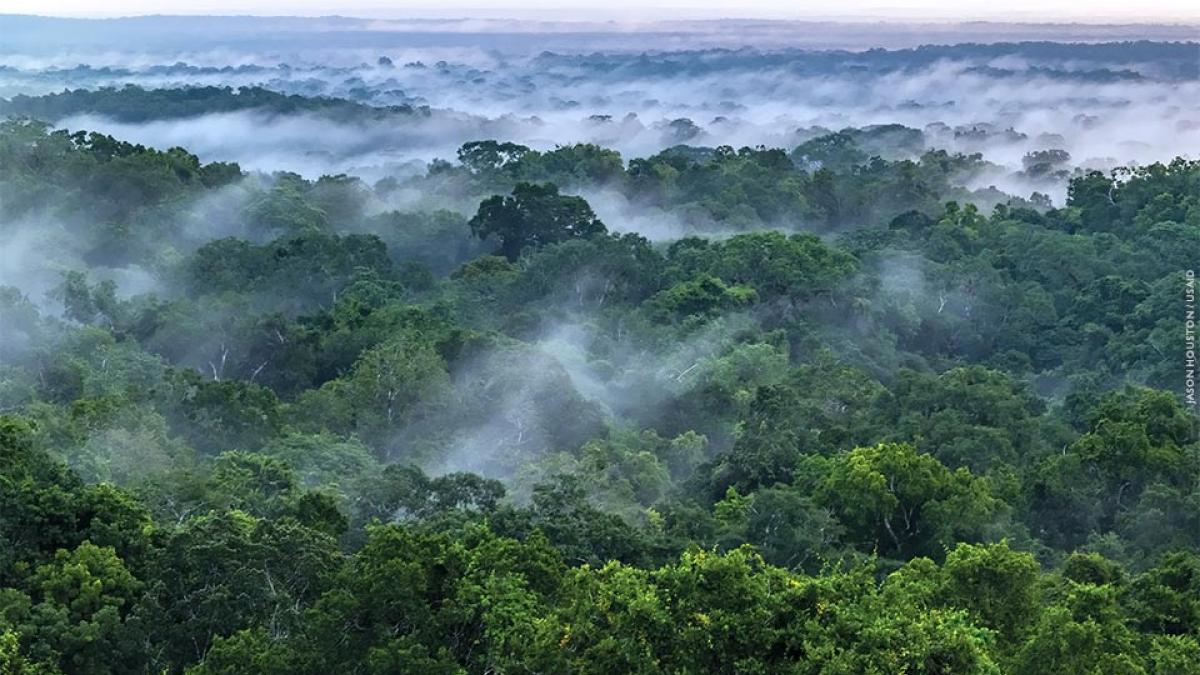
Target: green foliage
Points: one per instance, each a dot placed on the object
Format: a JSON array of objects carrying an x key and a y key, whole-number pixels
[
  {"x": 996, "y": 585},
  {"x": 899, "y": 501},
  {"x": 323, "y": 436},
  {"x": 705, "y": 296},
  {"x": 535, "y": 215},
  {"x": 135, "y": 104}
]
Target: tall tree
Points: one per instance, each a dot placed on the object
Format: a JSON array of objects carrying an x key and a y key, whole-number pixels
[{"x": 534, "y": 215}]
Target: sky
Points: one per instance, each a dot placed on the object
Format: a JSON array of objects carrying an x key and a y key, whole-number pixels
[{"x": 1089, "y": 11}]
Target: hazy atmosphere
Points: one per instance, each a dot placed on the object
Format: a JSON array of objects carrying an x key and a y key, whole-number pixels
[
  {"x": 671, "y": 338},
  {"x": 618, "y": 10}
]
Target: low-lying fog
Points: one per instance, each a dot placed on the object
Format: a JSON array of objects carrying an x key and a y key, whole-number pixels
[{"x": 1104, "y": 104}]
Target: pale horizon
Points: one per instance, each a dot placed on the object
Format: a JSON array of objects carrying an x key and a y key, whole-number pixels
[{"x": 1104, "y": 11}]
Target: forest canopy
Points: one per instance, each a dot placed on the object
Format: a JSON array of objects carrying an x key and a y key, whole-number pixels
[{"x": 829, "y": 407}]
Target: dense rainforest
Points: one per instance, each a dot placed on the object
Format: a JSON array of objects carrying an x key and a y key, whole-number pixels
[{"x": 816, "y": 409}]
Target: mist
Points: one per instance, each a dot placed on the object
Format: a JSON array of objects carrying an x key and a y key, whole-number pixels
[
  {"x": 1103, "y": 104},
  {"x": 487, "y": 345}
]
